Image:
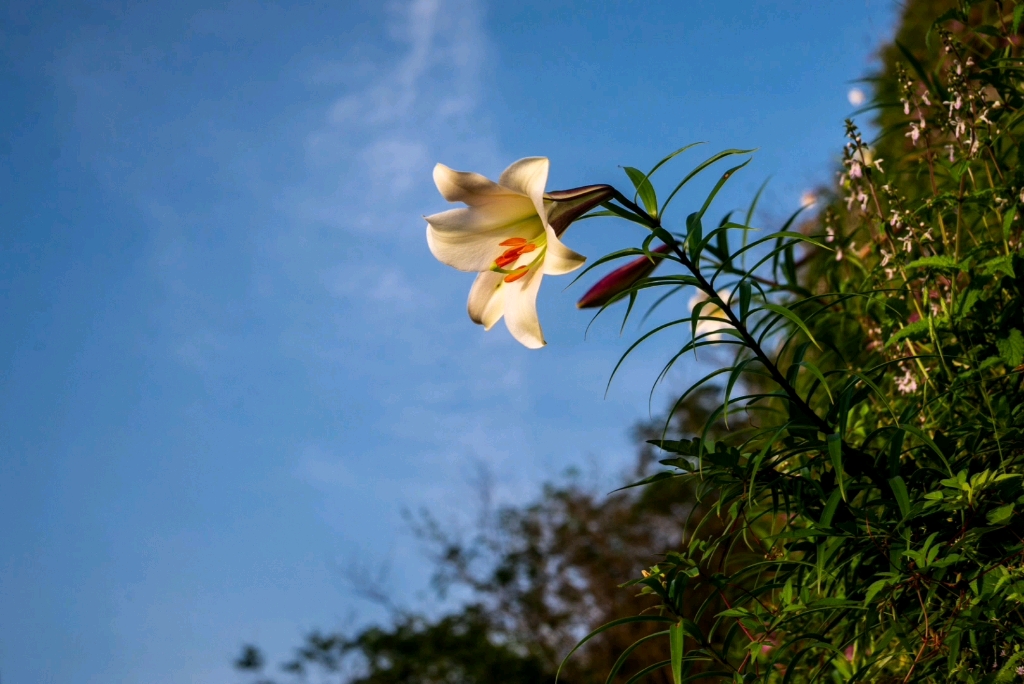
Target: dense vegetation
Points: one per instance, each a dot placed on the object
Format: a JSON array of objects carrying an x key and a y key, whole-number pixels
[
  {"x": 869, "y": 505},
  {"x": 846, "y": 489}
]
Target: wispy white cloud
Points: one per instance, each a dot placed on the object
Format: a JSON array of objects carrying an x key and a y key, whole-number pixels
[
  {"x": 434, "y": 385},
  {"x": 368, "y": 311},
  {"x": 380, "y": 136}
]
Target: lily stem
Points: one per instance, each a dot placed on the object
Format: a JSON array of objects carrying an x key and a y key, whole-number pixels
[{"x": 655, "y": 224}]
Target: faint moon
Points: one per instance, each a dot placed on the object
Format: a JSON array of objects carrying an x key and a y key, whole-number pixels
[{"x": 855, "y": 96}]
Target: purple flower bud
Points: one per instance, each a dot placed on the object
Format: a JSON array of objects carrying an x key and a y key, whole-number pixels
[
  {"x": 621, "y": 279},
  {"x": 565, "y": 206}
]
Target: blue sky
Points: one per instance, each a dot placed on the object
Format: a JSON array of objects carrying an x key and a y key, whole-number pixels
[{"x": 228, "y": 358}]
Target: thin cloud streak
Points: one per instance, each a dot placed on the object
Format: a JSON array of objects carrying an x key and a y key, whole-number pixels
[{"x": 380, "y": 138}]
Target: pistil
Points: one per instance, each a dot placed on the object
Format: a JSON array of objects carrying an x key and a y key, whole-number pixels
[{"x": 517, "y": 274}]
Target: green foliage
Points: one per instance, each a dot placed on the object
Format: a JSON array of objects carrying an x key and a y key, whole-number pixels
[
  {"x": 864, "y": 518},
  {"x": 457, "y": 648}
]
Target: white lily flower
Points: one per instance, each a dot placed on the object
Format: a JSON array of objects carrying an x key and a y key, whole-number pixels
[
  {"x": 509, "y": 235},
  {"x": 712, "y": 317}
]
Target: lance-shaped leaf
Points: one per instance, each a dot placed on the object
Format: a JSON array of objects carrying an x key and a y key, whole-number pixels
[
  {"x": 835, "y": 454},
  {"x": 605, "y": 627},
  {"x": 675, "y": 637},
  {"x": 644, "y": 189}
]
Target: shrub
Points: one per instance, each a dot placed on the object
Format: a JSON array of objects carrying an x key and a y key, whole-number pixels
[{"x": 869, "y": 499}]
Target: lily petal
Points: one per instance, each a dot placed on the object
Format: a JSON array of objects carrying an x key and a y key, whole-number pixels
[
  {"x": 521, "y": 310},
  {"x": 487, "y": 299},
  {"x": 504, "y": 211},
  {"x": 464, "y": 186},
  {"x": 470, "y": 239},
  {"x": 559, "y": 259},
  {"x": 712, "y": 318},
  {"x": 528, "y": 177}
]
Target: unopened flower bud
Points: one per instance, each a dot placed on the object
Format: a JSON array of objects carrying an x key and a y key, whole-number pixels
[
  {"x": 565, "y": 206},
  {"x": 621, "y": 279}
]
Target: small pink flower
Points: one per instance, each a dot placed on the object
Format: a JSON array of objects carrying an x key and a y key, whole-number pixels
[{"x": 906, "y": 384}]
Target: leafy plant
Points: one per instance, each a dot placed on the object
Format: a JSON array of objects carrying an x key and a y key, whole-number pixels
[{"x": 869, "y": 504}]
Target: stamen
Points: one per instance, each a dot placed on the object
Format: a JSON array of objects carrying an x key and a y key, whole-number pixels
[
  {"x": 507, "y": 258},
  {"x": 516, "y": 248},
  {"x": 511, "y": 254},
  {"x": 517, "y": 274}
]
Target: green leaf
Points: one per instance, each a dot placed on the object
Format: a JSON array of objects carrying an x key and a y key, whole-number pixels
[
  {"x": 899, "y": 489},
  {"x": 694, "y": 235},
  {"x": 737, "y": 370},
  {"x": 672, "y": 156},
  {"x": 1012, "y": 211},
  {"x": 1001, "y": 515},
  {"x": 621, "y": 660},
  {"x": 673, "y": 446},
  {"x": 720, "y": 184},
  {"x": 830, "y": 509},
  {"x": 700, "y": 167},
  {"x": 1008, "y": 672},
  {"x": 722, "y": 241},
  {"x": 941, "y": 262},
  {"x": 931, "y": 445},
  {"x": 875, "y": 588},
  {"x": 622, "y": 212},
  {"x": 648, "y": 670},
  {"x": 895, "y": 449},
  {"x": 915, "y": 328},
  {"x": 675, "y": 638},
  {"x": 844, "y": 407},
  {"x": 835, "y": 453},
  {"x": 1011, "y": 348},
  {"x": 744, "y": 299},
  {"x": 959, "y": 169},
  {"x": 816, "y": 372},
  {"x": 966, "y": 302},
  {"x": 644, "y": 188},
  {"x": 605, "y": 627},
  {"x": 791, "y": 316},
  {"x": 953, "y": 640},
  {"x": 1002, "y": 264},
  {"x": 1018, "y": 14},
  {"x": 789, "y": 266},
  {"x": 691, "y": 630}
]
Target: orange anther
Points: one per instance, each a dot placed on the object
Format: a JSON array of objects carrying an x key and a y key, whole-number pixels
[
  {"x": 517, "y": 274},
  {"x": 529, "y": 247},
  {"x": 512, "y": 242},
  {"x": 507, "y": 258}
]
